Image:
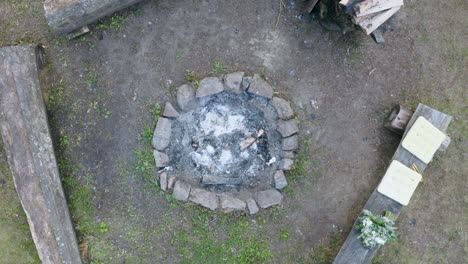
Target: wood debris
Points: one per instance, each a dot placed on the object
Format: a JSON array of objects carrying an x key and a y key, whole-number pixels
[{"x": 371, "y": 14}]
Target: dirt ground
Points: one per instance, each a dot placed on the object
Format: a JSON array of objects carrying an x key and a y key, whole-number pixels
[{"x": 101, "y": 92}]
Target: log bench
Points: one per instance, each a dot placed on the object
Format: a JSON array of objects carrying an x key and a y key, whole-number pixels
[
  {"x": 352, "y": 250},
  {"x": 28, "y": 145},
  {"x": 64, "y": 16}
]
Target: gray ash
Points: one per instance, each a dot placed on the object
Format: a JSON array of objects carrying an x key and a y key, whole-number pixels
[{"x": 207, "y": 142}]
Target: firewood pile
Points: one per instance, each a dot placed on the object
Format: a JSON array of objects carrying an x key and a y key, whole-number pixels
[{"x": 371, "y": 14}]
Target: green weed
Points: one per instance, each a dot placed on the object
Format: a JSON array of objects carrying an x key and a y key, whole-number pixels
[{"x": 219, "y": 68}]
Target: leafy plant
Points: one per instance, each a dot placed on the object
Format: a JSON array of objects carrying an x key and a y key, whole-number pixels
[
  {"x": 219, "y": 68},
  {"x": 375, "y": 230}
]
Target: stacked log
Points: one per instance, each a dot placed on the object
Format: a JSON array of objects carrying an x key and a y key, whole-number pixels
[{"x": 371, "y": 14}]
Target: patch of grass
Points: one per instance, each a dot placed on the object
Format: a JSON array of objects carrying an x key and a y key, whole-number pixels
[
  {"x": 328, "y": 249},
  {"x": 299, "y": 168},
  {"x": 219, "y": 68},
  {"x": 193, "y": 78},
  {"x": 56, "y": 93},
  {"x": 284, "y": 234},
  {"x": 234, "y": 242}
]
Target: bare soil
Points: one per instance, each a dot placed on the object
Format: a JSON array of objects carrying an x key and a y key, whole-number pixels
[{"x": 99, "y": 88}]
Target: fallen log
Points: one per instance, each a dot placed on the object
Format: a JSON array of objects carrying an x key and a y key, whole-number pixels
[
  {"x": 64, "y": 16},
  {"x": 26, "y": 137}
]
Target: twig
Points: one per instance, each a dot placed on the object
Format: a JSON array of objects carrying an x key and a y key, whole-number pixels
[{"x": 281, "y": 6}]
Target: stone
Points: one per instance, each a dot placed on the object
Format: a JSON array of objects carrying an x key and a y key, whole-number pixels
[
  {"x": 290, "y": 143},
  {"x": 246, "y": 83},
  {"x": 288, "y": 154},
  {"x": 186, "y": 97},
  {"x": 287, "y": 128},
  {"x": 181, "y": 191},
  {"x": 170, "y": 111},
  {"x": 285, "y": 164},
  {"x": 283, "y": 108},
  {"x": 269, "y": 198},
  {"x": 260, "y": 87},
  {"x": 229, "y": 204},
  {"x": 163, "y": 181},
  {"x": 233, "y": 82},
  {"x": 252, "y": 206},
  {"x": 209, "y": 86},
  {"x": 161, "y": 159},
  {"x": 171, "y": 182},
  {"x": 204, "y": 198},
  {"x": 280, "y": 179},
  {"x": 162, "y": 134}
]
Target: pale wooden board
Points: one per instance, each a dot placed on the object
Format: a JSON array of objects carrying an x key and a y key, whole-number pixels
[
  {"x": 352, "y": 251},
  {"x": 373, "y": 6},
  {"x": 399, "y": 182},
  {"x": 371, "y": 24},
  {"x": 423, "y": 140}
]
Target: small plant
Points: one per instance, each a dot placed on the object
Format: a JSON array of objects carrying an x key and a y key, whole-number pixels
[
  {"x": 192, "y": 78},
  {"x": 103, "y": 228},
  {"x": 219, "y": 68},
  {"x": 284, "y": 234},
  {"x": 375, "y": 230}
]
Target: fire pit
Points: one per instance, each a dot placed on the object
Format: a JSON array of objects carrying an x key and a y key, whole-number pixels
[{"x": 228, "y": 145}]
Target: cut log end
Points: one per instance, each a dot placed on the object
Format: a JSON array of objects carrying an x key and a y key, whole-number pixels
[{"x": 398, "y": 119}]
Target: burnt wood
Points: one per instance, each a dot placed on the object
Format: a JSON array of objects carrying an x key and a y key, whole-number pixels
[
  {"x": 352, "y": 251},
  {"x": 28, "y": 145}
]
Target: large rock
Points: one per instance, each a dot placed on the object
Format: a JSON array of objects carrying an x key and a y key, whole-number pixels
[
  {"x": 260, "y": 87},
  {"x": 186, "y": 97},
  {"x": 290, "y": 143},
  {"x": 233, "y": 82},
  {"x": 209, "y": 86},
  {"x": 171, "y": 182},
  {"x": 252, "y": 206},
  {"x": 280, "y": 179},
  {"x": 229, "y": 204},
  {"x": 181, "y": 191},
  {"x": 161, "y": 159},
  {"x": 204, "y": 198},
  {"x": 288, "y": 154},
  {"x": 269, "y": 198},
  {"x": 162, "y": 134},
  {"x": 287, "y": 128},
  {"x": 246, "y": 83},
  {"x": 163, "y": 181},
  {"x": 283, "y": 108},
  {"x": 170, "y": 111},
  {"x": 64, "y": 16},
  {"x": 285, "y": 164}
]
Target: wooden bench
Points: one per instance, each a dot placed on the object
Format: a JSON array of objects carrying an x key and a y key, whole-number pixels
[
  {"x": 28, "y": 145},
  {"x": 352, "y": 251}
]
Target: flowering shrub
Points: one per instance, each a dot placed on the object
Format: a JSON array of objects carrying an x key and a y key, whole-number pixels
[{"x": 375, "y": 230}]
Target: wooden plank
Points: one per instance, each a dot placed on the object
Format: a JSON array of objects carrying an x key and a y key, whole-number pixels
[
  {"x": 371, "y": 24},
  {"x": 25, "y": 132},
  {"x": 373, "y": 6},
  {"x": 352, "y": 251},
  {"x": 347, "y": 5}
]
